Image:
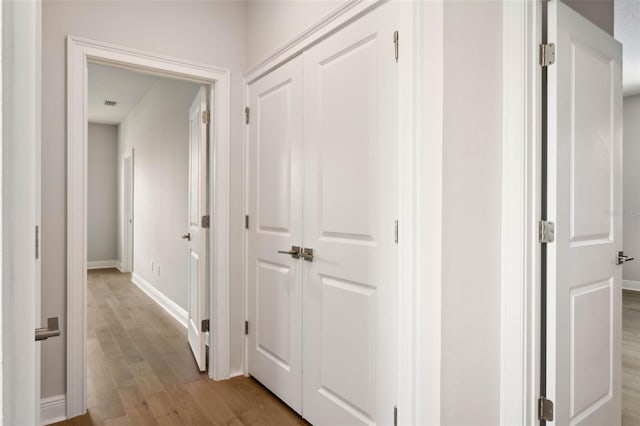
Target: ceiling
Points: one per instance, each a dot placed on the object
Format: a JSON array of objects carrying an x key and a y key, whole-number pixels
[
  {"x": 115, "y": 84},
  {"x": 627, "y": 31}
]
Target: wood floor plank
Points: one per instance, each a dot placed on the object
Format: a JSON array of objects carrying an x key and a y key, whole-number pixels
[{"x": 141, "y": 370}]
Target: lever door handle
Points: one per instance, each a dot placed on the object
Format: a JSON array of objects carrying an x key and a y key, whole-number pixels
[
  {"x": 623, "y": 259},
  {"x": 294, "y": 252},
  {"x": 51, "y": 330},
  {"x": 187, "y": 236}
]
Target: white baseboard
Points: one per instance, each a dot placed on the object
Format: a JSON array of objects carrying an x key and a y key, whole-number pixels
[
  {"x": 103, "y": 264},
  {"x": 631, "y": 285},
  {"x": 53, "y": 409},
  {"x": 165, "y": 303},
  {"x": 236, "y": 373}
]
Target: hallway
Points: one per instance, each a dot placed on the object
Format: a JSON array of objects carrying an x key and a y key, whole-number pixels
[{"x": 141, "y": 370}]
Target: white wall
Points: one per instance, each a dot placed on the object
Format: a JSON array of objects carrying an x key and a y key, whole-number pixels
[
  {"x": 271, "y": 24},
  {"x": 158, "y": 130},
  {"x": 102, "y": 203},
  {"x": 471, "y": 230},
  {"x": 212, "y": 32},
  {"x": 631, "y": 186}
]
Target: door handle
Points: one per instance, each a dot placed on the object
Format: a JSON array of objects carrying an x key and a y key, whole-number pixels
[
  {"x": 307, "y": 254},
  {"x": 187, "y": 236},
  {"x": 623, "y": 259},
  {"x": 294, "y": 252},
  {"x": 51, "y": 330}
]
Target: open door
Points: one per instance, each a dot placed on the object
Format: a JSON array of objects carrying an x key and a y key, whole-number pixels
[
  {"x": 127, "y": 171},
  {"x": 584, "y": 198},
  {"x": 197, "y": 234}
]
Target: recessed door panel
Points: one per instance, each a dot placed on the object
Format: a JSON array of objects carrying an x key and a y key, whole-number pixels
[
  {"x": 274, "y": 158},
  {"x": 275, "y": 224}
]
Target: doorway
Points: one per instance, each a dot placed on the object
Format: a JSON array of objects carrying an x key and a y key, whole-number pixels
[
  {"x": 127, "y": 213},
  {"x": 82, "y": 52}
]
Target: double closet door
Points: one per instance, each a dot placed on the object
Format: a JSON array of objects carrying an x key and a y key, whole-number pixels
[{"x": 322, "y": 201}]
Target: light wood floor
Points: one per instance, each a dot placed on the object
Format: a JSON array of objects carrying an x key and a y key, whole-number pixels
[
  {"x": 631, "y": 358},
  {"x": 141, "y": 370}
]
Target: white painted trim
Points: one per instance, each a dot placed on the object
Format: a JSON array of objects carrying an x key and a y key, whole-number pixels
[
  {"x": 236, "y": 373},
  {"x": 79, "y": 52},
  {"x": 161, "y": 299},
  {"x": 347, "y": 12},
  {"x": 420, "y": 189},
  {"x": 631, "y": 285},
  {"x": 103, "y": 264},
  {"x": 53, "y": 409},
  {"x": 519, "y": 348}
]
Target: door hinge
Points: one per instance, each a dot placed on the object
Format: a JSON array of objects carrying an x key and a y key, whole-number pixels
[
  {"x": 396, "y": 232},
  {"x": 206, "y": 221},
  {"x": 206, "y": 117},
  {"x": 205, "y": 325},
  {"x": 246, "y": 115},
  {"x": 545, "y": 409},
  {"x": 395, "y": 415},
  {"x": 246, "y": 221},
  {"x": 546, "y": 232},
  {"x": 246, "y": 328},
  {"x": 396, "y": 44},
  {"x": 37, "y": 242},
  {"x": 547, "y": 54}
]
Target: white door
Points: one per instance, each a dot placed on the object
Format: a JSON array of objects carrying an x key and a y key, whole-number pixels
[
  {"x": 350, "y": 208},
  {"x": 127, "y": 252},
  {"x": 197, "y": 235},
  {"x": 275, "y": 212},
  {"x": 584, "y": 201}
]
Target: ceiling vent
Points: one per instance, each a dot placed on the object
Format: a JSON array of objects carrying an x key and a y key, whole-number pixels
[{"x": 110, "y": 103}]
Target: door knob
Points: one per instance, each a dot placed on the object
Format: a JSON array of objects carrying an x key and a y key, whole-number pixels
[
  {"x": 187, "y": 236},
  {"x": 622, "y": 258},
  {"x": 51, "y": 330},
  {"x": 294, "y": 252}
]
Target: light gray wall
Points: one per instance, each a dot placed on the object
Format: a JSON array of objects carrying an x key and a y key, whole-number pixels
[
  {"x": 471, "y": 232},
  {"x": 158, "y": 130},
  {"x": 102, "y": 208},
  {"x": 212, "y": 32},
  {"x": 631, "y": 186},
  {"x": 600, "y": 12},
  {"x": 273, "y": 23}
]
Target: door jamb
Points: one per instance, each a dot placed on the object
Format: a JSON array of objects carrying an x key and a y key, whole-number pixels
[
  {"x": 126, "y": 263},
  {"x": 79, "y": 52},
  {"x": 420, "y": 190},
  {"x": 521, "y": 166}
]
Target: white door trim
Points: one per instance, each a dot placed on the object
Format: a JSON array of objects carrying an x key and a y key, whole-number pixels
[
  {"x": 420, "y": 243},
  {"x": 79, "y": 52},
  {"x": 520, "y": 305}
]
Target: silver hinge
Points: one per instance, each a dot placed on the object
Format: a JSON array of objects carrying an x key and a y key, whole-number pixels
[
  {"x": 206, "y": 221},
  {"x": 246, "y": 221},
  {"x": 547, "y": 232},
  {"x": 396, "y": 43},
  {"x": 205, "y": 325},
  {"x": 206, "y": 117},
  {"x": 396, "y": 231},
  {"x": 545, "y": 409},
  {"x": 246, "y": 115},
  {"x": 246, "y": 328},
  {"x": 37, "y": 242},
  {"x": 547, "y": 54},
  {"x": 395, "y": 415}
]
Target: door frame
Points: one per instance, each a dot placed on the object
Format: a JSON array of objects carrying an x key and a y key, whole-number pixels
[
  {"x": 420, "y": 193},
  {"x": 126, "y": 263},
  {"x": 520, "y": 332},
  {"x": 79, "y": 52}
]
